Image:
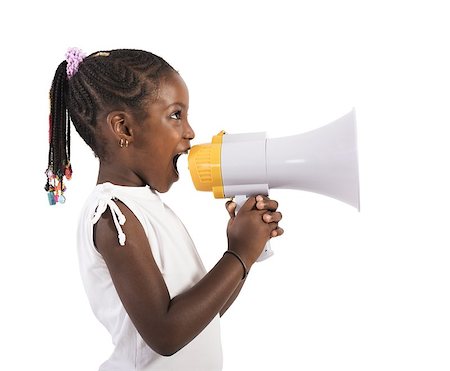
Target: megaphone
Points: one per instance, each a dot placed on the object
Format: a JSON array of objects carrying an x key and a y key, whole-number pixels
[{"x": 323, "y": 161}]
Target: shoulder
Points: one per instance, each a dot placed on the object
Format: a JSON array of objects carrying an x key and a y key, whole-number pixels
[{"x": 119, "y": 233}]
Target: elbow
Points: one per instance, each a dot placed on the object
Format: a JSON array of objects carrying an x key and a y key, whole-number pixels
[
  {"x": 167, "y": 345},
  {"x": 166, "y": 350}
]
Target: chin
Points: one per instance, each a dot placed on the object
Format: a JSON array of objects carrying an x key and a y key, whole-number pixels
[{"x": 162, "y": 189}]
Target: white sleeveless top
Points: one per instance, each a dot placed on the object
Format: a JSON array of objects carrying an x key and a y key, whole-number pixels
[{"x": 180, "y": 266}]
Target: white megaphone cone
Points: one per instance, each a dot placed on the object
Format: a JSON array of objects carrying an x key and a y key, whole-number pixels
[{"x": 323, "y": 161}]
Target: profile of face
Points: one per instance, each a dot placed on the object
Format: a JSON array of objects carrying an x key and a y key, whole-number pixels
[{"x": 163, "y": 136}]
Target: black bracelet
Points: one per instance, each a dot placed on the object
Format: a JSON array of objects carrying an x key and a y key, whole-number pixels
[{"x": 242, "y": 262}]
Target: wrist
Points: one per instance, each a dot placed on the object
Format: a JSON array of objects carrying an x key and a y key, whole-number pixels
[{"x": 237, "y": 257}]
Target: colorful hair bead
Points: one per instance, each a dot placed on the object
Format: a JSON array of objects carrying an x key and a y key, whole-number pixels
[
  {"x": 68, "y": 171},
  {"x": 51, "y": 198},
  {"x": 55, "y": 186}
]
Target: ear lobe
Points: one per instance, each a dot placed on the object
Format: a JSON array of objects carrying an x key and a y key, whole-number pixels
[{"x": 120, "y": 124}]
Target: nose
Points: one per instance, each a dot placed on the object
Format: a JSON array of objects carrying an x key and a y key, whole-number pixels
[{"x": 188, "y": 131}]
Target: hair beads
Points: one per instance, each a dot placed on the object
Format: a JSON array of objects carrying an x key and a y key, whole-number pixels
[{"x": 55, "y": 186}]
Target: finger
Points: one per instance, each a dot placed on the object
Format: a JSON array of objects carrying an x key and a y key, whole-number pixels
[
  {"x": 265, "y": 203},
  {"x": 249, "y": 204},
  {"x": 270, "y": 217},
  {"x": 231, "y": 208},
  {"x": 277, "y": 232}
]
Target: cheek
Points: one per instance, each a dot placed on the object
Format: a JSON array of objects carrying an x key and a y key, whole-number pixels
[
  {"x": 175, "y": 133},
  {"x": 160, "y": 142}
]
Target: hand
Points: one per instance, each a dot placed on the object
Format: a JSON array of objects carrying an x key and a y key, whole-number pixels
[
  {"x": 271, "y": 216},
  {"x": 255, "y": 223}
]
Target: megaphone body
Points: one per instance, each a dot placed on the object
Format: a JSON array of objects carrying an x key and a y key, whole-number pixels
[{"x": 323, "y": 161}]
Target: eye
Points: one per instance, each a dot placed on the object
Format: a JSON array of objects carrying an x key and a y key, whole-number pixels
[{"x": 176, "y": 115}]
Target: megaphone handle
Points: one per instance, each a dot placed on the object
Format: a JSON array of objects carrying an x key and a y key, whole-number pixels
[{"x": 267, "y": 251}]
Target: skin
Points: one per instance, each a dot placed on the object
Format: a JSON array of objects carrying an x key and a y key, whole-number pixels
[{"x": 148, "y": 160}]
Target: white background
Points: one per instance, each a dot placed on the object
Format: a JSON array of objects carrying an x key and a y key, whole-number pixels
[{"x": 345, "y": 290}]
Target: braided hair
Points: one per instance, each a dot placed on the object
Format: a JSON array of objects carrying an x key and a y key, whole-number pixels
[{"x": 105, "y": 80}]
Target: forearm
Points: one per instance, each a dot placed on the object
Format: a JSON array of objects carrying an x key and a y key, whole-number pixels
[
  {"x": 190, "y": 312},
  {"x": 232, "y": 298}
]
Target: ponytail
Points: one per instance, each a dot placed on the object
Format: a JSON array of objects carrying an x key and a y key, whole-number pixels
[
  {"x": 59, "y": 138},
  {"x": 59, "y": 128}
]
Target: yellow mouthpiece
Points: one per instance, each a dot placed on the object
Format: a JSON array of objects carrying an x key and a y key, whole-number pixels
[{"x": 204, "y": 166}]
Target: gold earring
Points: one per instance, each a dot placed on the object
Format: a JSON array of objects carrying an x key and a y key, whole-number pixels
[{"x": 123, "y": 143}]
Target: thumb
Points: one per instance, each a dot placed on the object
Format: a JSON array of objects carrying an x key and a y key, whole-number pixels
[{"x": 231, "y": 208}]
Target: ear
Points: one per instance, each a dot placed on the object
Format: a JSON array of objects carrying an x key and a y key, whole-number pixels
[{"x": 120, "y": 124}]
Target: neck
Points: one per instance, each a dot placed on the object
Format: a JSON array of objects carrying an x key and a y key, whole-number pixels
[{"x": 118, "y": 175}]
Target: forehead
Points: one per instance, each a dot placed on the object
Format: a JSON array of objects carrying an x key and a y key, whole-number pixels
[{"x": 172, "y": 90}]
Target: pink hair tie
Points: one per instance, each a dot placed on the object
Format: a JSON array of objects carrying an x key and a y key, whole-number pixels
[{"x": 74, "y": 57}]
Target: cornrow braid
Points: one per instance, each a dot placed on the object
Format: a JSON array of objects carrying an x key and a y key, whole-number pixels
[{"x": 105, "y": 80}]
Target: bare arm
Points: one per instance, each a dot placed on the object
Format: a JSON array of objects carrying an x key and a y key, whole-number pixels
[
  {"x": 232, "y": 298},
  {"x": 165, "y": 324}
]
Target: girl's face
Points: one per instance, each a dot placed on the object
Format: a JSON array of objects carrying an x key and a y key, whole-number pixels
[{"x": 164, "y": 135}]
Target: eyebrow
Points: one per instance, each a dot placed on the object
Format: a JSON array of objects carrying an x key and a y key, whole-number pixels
[{"x": 177, "y": 104}]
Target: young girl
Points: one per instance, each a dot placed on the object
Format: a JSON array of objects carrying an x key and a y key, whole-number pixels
[{"x": 142, "y": 274}]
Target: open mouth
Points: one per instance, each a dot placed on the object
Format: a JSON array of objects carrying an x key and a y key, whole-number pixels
[{"x": 175, "y": 160}]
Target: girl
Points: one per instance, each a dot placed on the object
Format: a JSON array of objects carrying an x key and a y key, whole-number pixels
[{"x": 142, "y": 275}]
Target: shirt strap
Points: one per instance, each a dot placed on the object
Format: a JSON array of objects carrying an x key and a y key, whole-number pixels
[{"x": 105, "y": 200}]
